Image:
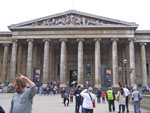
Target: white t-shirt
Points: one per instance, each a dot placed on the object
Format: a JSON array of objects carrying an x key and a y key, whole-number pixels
[
  {"x": 126, "y": 91},
  {"x": 87, "y": 102}
]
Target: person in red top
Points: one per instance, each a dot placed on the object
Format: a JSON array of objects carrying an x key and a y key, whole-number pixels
[
  {"x": 103, "y": 97},
  {"x": 58, "y": 83}
]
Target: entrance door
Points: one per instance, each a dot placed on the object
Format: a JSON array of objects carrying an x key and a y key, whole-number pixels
[{"x": 73, "y": 77}]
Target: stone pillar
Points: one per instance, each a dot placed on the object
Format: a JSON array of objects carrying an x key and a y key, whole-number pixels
[
  {"x": 143, "y": 59},
  {"x": 13, "y": 61},
  {"x": 63, "y": 63},
  {"x": 5, "y": 61},
  {"x": 80, "y": 61},
  {"x": 97, "y": 63},
  {"x": 115, "y": 62},
  {"x": 29, "y": 59},
  {"x": 132, "y": 61},
  {"x": 19, "y": 60},
  {"x": 46, "y": 60}
]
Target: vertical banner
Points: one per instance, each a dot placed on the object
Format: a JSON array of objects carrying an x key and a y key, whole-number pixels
[{"x": 36, "y": 76}]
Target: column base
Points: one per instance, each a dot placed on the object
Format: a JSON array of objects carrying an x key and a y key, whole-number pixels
[
  {"x": 63, "y": 85},
  {"x": 98, "y": 86},
  {"x": 116, "y": 85}
]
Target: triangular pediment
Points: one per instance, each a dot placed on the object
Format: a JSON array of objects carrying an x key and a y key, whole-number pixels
[{"x": 72, "y": 18}]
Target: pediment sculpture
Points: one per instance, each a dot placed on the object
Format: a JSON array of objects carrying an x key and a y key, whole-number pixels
[{"x": 71, "y": 19}]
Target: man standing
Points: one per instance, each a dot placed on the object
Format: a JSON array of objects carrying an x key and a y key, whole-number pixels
[
  {"x": 23, "y": 98},
  {"x": 110, "y": 95},
  {"x": 136, "y": 97},
  {"x": 99, "y": 93},
  {"x": 127, "y": 94},
  {"x": 89, "y": 98},
  {"x": 78, "y": 99}
]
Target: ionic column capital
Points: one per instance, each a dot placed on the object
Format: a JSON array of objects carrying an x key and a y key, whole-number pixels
[
  {"x": 5, "y": 44},
  {"x": 80, "y": 39},
  {"x": 114, "y": 39},
  {"x": 143, "y": 43},
  {"x": 28, "y": 40},
  {"x": 97, "y": 39},
  {"x": 63, "y": 39},
  {"x": 46, "y": 40},
  {"x": 132, "y": 39}
]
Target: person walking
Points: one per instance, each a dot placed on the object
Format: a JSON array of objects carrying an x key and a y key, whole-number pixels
[
  {"x": 136, "y": 97},
  {"x": 63, "y": 91},
  {"x": 127, "y": 94},
  {"x": 121, "y": 95},
  {"x": 66, "y": 98},
  {"x": 89, "y": 99},
  {"x": 78, "y": 99},
  {"x": 110, "y": 95},
  {"x": 99, "y": 93},
  {"x": 23, "y": 98}
]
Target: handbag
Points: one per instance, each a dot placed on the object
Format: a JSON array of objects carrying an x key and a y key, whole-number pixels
[
  {"x": 93, "y": 101},
  {"x": 117, "y": 98}
]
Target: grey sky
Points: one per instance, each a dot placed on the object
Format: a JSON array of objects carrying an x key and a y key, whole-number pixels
[{"x": 16, "y": 11}]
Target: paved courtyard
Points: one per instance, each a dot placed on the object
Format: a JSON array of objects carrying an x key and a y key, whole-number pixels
[{"x": 53, "y": 104}]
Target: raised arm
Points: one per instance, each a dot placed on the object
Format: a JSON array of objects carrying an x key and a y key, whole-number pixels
[{"x": 26, "y": 79}]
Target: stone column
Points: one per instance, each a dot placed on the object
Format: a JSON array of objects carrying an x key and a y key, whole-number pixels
[
  {"x": 19, "y": 60},
  {"x": 5, "y": 61},
  {"x": 63, "y": 63},
  {"x": 13, "y": 61},
  {"x": 132, "y": 61},
  {"x": 29, "y": 59},
  {"x": 115, "y": 62},
  {"x": 143, "y": 59},
  {"x": 80, "y": 61},
  {"x": 97, "y": 63},
  {"x": 46, "y": 60}
]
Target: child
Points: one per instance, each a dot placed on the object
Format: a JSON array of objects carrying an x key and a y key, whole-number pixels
[
  {"x": 103, "y": 97},
  {"x": 71, "y": 95}
]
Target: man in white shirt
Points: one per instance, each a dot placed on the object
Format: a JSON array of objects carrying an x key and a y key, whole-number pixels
[
  {"x": 127, "y": 94},
  {"x": 88, "y": 99}
]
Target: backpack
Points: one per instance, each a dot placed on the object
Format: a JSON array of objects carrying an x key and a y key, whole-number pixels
[{"x": 140, "y": 96}]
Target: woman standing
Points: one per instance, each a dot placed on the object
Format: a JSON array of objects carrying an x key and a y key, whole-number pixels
[{"x": 121, "y": 101}]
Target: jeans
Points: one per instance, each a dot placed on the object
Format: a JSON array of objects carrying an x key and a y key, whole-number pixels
[
  {"x": 77, "y": 107},
  {"x": 127, "y": 101}
]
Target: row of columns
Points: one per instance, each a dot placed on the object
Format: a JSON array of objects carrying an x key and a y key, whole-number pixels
[
  {"x": 80, "y": 61},
  {"x": 98, "y": 62}
]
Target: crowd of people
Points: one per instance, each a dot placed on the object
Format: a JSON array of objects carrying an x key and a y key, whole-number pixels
[{"x": 85, "y": 99}]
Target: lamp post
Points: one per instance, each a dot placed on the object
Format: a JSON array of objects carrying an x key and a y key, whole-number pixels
[
  {"x": 125, "y": 70},
  {"x": 120, "y": 71}
]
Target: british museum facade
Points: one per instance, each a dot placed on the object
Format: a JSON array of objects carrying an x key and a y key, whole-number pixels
[{"x": 76, "y": 47}]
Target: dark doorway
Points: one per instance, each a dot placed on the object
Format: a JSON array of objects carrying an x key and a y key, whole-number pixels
[
  {"x": 73, "y": 77},
  {"x": 106, "y": 73}
]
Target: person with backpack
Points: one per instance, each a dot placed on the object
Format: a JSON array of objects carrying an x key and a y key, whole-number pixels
[
  {"x": 136, "y": 97},
  {"x": 89, "y": 100}
]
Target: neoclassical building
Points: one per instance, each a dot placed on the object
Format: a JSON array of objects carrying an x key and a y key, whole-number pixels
[{"x": 76, "y": 46}]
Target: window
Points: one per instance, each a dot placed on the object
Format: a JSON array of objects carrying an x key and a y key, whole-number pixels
[
  {"x": 58, "y": 69},
  {"x": 88, "y": 69},
  {"x": 147, "y": 66}
]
